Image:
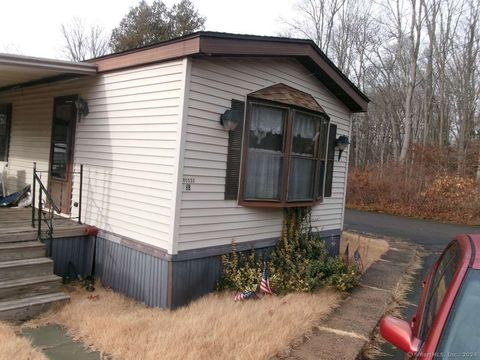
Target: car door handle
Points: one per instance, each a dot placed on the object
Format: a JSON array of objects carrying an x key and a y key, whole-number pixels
[{"x": 412, "y": 322}]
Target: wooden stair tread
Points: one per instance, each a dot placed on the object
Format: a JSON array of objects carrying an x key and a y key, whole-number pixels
[
  {"x": 25, "y": 262},
  {"x": 17, "y": 236},
  {"x": 21, "y": 245},
  {"x": 28, "y": 281},
  {"x": 32, "y": 301}
]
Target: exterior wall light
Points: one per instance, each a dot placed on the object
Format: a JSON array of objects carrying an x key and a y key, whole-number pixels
[
  {"x": 230, "y": 119},
  {"x": 341, "y": 144},
  {"x": 82, "y": 107}
]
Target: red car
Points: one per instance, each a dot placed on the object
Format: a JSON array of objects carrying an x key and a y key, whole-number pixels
[{"x": 447, "y": 322}]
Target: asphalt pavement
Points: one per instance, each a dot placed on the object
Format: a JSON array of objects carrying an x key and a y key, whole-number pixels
[{"x": 431, "y": 235}]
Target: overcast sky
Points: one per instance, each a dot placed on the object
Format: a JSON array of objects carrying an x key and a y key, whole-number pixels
[{"x": 32, "y": 27}]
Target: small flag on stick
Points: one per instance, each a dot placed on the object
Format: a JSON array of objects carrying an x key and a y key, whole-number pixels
[
  {"x": 346, "y": 256},
  {"x": 246, "y": 295},
  {"x": 265, "y": 283},
  {"x": 358, "y": 260}
]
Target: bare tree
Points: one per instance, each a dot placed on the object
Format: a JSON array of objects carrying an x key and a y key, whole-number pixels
[
  {"x": 83, "y": 42},
  {"x": 414, "y": 46},
  {"x": 418, "y": 61},
  {"x": 316, "y": 21}
]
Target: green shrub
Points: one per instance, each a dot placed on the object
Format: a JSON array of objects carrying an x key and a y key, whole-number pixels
[
  {"x": 299, "y": 263},
  {"x": 335, "y": 273},
  {"x": 241, "y": 271}
]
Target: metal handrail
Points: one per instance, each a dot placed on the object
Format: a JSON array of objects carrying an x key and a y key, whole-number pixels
[{"x": 43, "y": 210}]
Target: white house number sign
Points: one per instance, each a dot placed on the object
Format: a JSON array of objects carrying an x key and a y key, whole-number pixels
[{"x": 187, "y": 183}]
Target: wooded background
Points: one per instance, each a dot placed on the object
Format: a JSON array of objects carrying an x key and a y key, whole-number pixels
[
  {"x": 417, "y": 60},
  {"x": 417, "y": 150}
]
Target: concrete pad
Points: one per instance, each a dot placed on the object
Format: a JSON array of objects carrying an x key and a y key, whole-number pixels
[
  {"x": 361, "y": 312},
  {"x": 336, "y": 349},
  {"x": 57, "y": 345},
  {"x": 350, "y": 327},
  {"x": 383, "y": 275}
]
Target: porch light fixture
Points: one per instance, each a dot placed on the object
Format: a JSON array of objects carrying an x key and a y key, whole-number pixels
[
  {"x": 82, "y": 107},
  {"x": 341, "y": 144},
  {"x": 230, "y": 119}
]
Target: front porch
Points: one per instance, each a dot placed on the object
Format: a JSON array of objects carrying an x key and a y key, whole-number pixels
[
  {"x": 29, "y": 280},
  {"x": 16, "y": 224}
]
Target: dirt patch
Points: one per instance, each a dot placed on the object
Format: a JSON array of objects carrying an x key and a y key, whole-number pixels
[
  {"x": 13, "y": 346},
  {"x": 370, "y": 248},
  {"x": 214, "y": 327}
]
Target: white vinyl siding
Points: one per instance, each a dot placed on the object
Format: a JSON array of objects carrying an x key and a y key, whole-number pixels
[
  {"x": 127, "y": 145},
  {"x": 206, "y": 219},
  {"x": 151, "y": 126}
]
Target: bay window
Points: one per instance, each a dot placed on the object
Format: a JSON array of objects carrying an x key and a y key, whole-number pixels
[{"x": 284, "y": 155}]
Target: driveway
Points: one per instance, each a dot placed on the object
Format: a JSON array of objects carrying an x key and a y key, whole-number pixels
[{"x": 433, "y": 236}]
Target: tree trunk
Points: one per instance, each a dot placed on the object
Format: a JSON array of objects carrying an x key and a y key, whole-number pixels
[{"x": 412, "y": 77}]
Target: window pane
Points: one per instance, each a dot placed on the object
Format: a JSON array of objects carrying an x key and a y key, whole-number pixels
[
  {"x": 64, "y": 111},
  {"x": 439, "y": 286},
  {"x": 305, "y": 134},
  {"x": 60, "y": 153},
  {"x": 263, "y": 179},
  {"x": 300, "y": 183},
  {"x": 461, "y": 335},
  {"x": 264, "y": 175},
  {"x": 266, "y": 128}
]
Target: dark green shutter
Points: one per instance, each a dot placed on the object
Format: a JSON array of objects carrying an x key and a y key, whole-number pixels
[
  {"x": 232, "y": 177},
  {"x": 5, "y": 122},
  {"x": 332, "y": 136}
]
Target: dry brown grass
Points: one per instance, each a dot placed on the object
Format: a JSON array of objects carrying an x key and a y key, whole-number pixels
[
  {"x": 16, "y": 347},
  {"x": 370, "y": 248},
  {"x": 214, "y": 327}
]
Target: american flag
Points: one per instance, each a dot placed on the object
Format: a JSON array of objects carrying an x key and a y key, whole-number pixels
[
  {"x": 245, "y": 296},
  {"x": 346, "y": 256},
  {"x": 358, "y": 259},
  {"x": 265, "y": 283}
]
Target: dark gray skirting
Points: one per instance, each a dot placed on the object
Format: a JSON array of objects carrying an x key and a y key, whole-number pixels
[
  {"x": 133, "y": 273},
  {"x": 150, "y": 275},
  {"x": 76, "y": 251}
]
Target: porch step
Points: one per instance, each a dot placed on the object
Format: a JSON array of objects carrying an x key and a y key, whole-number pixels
[
  {"x": 21, "y": 250},
  {"x": 33, "y": 286},
  {"x": 7, "y": 237},
  {"x": 25, "y": 268},
  {"x": 28, "y": 307}
]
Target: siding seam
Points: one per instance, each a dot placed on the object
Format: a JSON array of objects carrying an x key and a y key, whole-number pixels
[{"x": 179, "y": 163}]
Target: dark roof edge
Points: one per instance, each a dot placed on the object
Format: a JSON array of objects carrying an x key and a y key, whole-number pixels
[
  {"x": 197, "y": 34},
  {"x": 244, "y": 37},
  {"x": 310, "y": 42}
]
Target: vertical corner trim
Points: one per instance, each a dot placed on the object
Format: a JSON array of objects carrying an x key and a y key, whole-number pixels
[
  {"x": 179, "y": 157},
  {"x": 347, "y": 161}
]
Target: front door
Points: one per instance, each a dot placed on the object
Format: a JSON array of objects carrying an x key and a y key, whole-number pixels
[{"x": 61, "y": 153}]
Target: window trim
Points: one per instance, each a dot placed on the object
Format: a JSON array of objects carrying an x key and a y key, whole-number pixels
[
  {"x": 287, "y": 154},
  {"x": 7, "y": 109}
]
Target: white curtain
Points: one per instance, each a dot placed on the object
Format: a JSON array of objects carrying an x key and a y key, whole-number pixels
[
  {"x": 300, "y": 183},
  {"x": 305, "y": 126},
  {"x": 266, "y": 120},
  {"x": 265, "y": 154},
  {"x": 264, "y": 173}
]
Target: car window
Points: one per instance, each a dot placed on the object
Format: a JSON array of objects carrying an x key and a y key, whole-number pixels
[
  {"x": 460, "y": 336},
  {"x": 438, "y": 287}
]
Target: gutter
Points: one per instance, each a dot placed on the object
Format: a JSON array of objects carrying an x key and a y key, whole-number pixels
[{"x": 48, "y": 64}]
